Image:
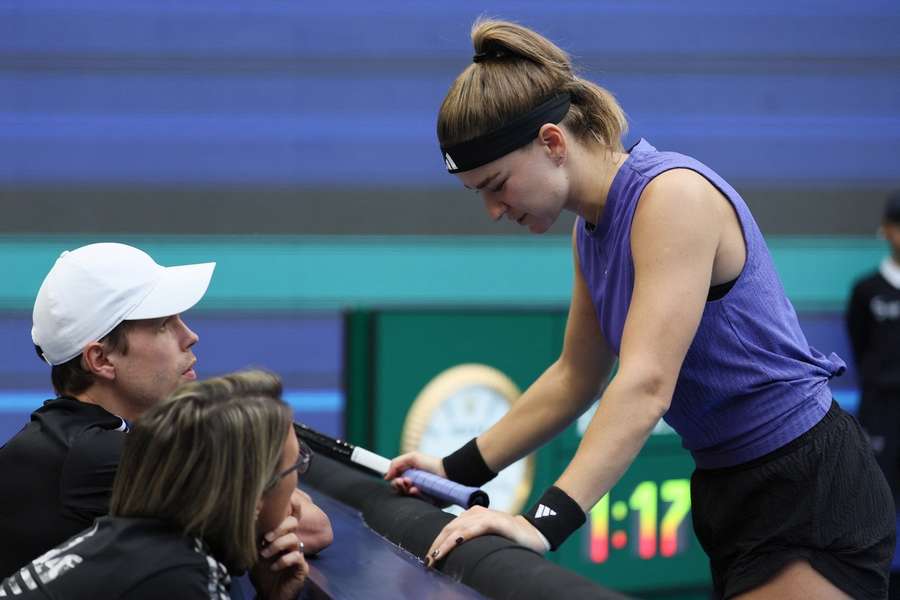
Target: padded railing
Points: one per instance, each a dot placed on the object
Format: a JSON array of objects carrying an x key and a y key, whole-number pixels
[{"x": 492, "y": 565}]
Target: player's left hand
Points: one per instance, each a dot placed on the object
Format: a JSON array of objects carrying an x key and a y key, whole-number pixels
[{"x": 479, "y": 521}]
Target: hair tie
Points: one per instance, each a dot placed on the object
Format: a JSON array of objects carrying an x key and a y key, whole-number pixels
[{"x": 489, "y": 53}]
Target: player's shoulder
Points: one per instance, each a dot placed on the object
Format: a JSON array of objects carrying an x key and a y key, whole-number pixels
[
  {"x": 678, "y": 204},
  {"x": 679, "y": 191}
]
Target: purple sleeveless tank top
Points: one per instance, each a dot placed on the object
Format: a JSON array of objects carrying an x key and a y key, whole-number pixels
[{"x": 750, "y": 382}]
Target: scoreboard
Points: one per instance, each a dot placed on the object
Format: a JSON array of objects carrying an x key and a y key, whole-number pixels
[{"x": 638, "y": 538}]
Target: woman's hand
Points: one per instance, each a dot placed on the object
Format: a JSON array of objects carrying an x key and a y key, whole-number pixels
[
  {"x": 315, "y": 527},
  {"x": 412, "y": 460},
  {"x": 479, "y": 521},
  {"x": 281, "y": 570}
]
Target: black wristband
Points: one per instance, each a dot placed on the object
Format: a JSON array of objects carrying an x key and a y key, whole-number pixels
[
  {"x": 467, "y": 466},
  {"x": 556, "y": 516}
]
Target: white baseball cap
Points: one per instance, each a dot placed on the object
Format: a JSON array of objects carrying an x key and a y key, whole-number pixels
[{"x": 94, "y": 288}]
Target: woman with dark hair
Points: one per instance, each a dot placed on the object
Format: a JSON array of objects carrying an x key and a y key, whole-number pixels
[
  {"x": 672, "y": 276},
  {"x": 205, "y": 481}
]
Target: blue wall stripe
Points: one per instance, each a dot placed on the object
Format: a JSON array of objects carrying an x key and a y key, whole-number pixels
[
  {"x": 315, "y": 401},
  {"x": 275, "y": 149},
  {"x": 22, "y": 401},
  {"x": 275, "y": 93},
  {"x": 439, "y": 29},
  {"x": 848, "y": 399},
  {"x": 300, "y": 400}
]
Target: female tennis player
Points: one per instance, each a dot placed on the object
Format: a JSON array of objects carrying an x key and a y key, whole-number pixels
[{"x": 673, "y": 277}]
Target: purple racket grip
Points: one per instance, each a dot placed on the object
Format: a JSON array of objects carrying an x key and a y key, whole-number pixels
[{"x": 446, "y": 490}]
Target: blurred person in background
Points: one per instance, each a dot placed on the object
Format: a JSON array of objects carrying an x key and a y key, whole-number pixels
[
  {"x": 873, "y": 323},
  {"x": 203, "y": 489}
]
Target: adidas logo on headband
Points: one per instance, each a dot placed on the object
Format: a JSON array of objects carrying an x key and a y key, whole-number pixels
[
  {"x": 448, "y": 162},
  {"x": 512, "y": 135}
]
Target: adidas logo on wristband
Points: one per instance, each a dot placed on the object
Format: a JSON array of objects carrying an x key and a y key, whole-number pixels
[{"x": 567, "y": 516}]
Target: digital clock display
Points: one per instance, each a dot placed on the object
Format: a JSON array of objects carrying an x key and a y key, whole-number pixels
[
  {"x": 640, "y": 537},
  {"x": 651, "y": 522}
]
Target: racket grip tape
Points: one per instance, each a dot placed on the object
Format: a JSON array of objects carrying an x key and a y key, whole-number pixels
[{"x": 446, "y": 490}]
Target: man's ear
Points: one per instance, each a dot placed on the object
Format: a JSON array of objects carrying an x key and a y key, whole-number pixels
[
  {"x": 95, "y": 360},
  {"x": 553, "y": 140}
]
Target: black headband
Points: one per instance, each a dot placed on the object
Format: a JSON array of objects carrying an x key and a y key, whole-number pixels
[{"x": 514, "y": 134}]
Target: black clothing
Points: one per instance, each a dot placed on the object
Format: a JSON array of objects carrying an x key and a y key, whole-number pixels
[
  {"x": 56, "y": 477},
  {"x": 137, "y": 559},
  {"x": 879, "y": 415},
  {"x": 821, "y": 498},
  {"x": 873, "y": 322}
]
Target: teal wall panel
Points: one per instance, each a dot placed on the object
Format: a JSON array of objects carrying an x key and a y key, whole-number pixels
[{"x": 273, "y": 272}]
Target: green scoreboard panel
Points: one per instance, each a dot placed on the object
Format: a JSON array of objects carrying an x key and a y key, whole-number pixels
[{"x": 638, "y": 538}]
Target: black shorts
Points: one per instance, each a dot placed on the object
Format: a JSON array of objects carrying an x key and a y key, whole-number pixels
[
  {"x": 879, "y": 415},
  {"x": 821, "y": 498}
]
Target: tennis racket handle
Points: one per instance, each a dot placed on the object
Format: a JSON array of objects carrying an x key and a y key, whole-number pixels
[
  {"x": 370, "y": 460},
  {"x": 446, "y": 490}
]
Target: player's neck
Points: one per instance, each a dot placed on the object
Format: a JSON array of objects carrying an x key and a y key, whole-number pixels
[{"x": 590, "y": 191}]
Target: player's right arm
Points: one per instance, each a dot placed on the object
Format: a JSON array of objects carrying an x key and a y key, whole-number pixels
[{"x": 562, "y": 393}]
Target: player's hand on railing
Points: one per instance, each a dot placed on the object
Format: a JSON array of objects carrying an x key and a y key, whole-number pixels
[
  {"x": 478, "y": 521},
  {"x": 412, "y": 460}
]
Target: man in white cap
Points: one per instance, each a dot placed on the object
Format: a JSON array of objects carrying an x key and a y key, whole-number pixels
[{"x": 107, "y": 318}]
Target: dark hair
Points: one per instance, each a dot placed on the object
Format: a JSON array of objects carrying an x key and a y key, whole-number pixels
[
  {"x": 892, "y": 208},
  {"x": 70, "y": 378},
  {"x": 516, "y": 70}
]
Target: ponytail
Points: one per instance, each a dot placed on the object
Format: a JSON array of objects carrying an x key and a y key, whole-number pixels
[{"x": 515, "y": 69}]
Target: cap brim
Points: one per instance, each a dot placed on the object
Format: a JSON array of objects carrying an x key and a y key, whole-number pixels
[{"x": 179, "y": 289}]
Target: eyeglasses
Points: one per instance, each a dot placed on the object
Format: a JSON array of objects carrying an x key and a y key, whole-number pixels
[{"x": 301, "y": 466}]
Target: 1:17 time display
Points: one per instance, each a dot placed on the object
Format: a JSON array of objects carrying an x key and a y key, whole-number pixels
[{"x": 655, "y": 535}]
